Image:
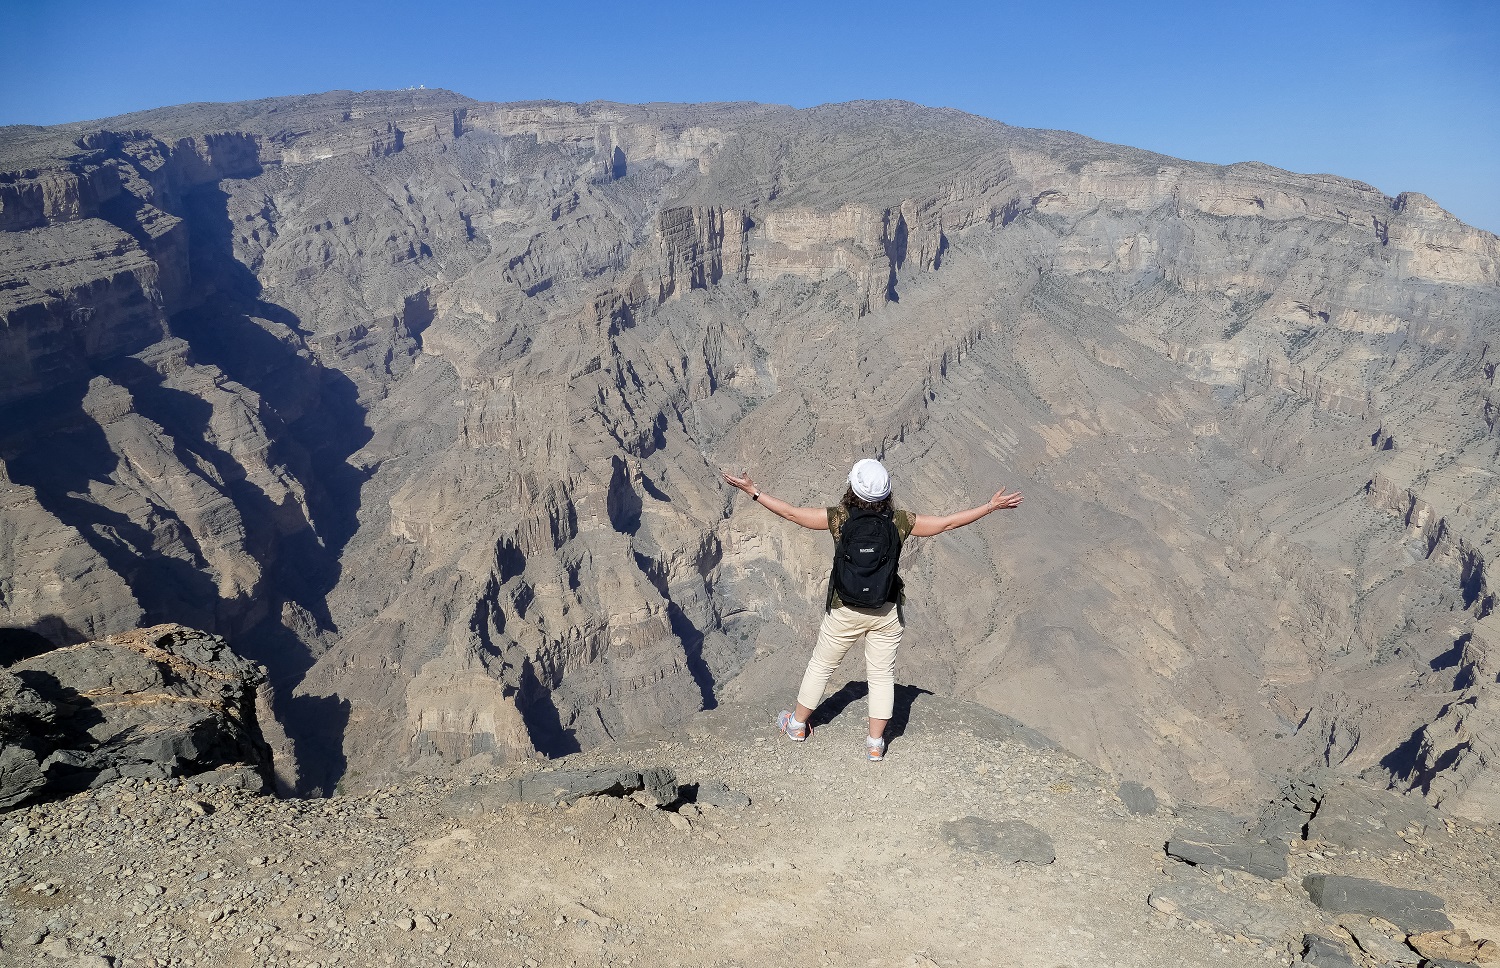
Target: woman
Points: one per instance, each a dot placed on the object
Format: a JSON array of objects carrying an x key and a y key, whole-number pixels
[{"x": 866, "y": 501}]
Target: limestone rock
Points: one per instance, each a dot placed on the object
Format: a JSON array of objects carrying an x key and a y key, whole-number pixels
[
  {"x": 1457, "y": 756},
  {"x": 1352, "y": 816},
  {"x": 1197, "y": 899},
  {"x": 1229, "y": 849},
  {"x": 466, "y": 801},
  {"x": 565, "y": 786},
  {"x": 1414, "y": 911},
  {"x": 1381, "y": 946},
  {"x": 1454, "y": 946},
  {"x": 1324, "y": 952},
  {"x": 716, "y": 793}
]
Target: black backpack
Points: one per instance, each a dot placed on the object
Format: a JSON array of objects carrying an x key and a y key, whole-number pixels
[{"x": 865, "y": 557}]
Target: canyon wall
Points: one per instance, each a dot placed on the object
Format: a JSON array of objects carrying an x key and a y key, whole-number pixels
[{"x": 423, "y": 402}]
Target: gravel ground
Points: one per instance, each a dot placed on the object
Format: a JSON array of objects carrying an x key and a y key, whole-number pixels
[{"x": 836, "y": 861}]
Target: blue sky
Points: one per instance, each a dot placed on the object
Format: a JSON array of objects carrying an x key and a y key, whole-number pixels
[{"x": 1399, "y": 93}]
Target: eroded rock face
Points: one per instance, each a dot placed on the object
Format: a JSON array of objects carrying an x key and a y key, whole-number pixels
[
  {"x": 162, "y": 702},
  {"x": 424, "y": 401},
  {"x": 1454, "y": 758}
]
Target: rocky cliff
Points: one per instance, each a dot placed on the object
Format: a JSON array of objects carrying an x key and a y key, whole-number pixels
[{"x": 423, "y": 401}]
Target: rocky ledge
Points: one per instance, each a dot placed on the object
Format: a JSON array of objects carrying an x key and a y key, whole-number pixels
[
  {"x": 718, "y": 843},
  {"x": 152, "y": 704}
]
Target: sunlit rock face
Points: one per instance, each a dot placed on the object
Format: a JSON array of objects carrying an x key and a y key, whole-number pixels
[{"x": 422, "y": 401}]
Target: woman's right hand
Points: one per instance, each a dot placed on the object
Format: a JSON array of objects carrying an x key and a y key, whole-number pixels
[{"x": 743, "y": 482}]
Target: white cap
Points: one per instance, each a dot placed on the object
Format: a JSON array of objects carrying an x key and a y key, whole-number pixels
[{"x": 870, "y": 480}]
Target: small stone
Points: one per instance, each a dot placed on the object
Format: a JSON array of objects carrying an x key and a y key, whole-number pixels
[
  {"x": 718, "y": 794},
  {"x": 404, "y": 924}
]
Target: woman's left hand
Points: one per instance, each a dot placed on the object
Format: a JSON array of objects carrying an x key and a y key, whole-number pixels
[{"x": 1005, "y": 502}]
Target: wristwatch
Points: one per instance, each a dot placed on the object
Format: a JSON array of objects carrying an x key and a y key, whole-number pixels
[{"x": 755, "y": 496}]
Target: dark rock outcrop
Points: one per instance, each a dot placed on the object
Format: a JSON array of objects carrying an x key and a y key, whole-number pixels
[
  {"x": 1359, "y": 817},
  {"x": 161, "y": 702},
  {"x": 564, "y": 786},
  {"x": 1138, "y": 798},
  {"x": 1003, "y": 841}
]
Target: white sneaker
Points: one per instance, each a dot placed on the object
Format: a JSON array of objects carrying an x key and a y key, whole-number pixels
[{"x": 788, "y": 725}]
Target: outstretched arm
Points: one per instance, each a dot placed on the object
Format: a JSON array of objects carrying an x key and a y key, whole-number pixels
[
  {"x": 815, "y": 519},
  {"x": 928, "y": 525}
]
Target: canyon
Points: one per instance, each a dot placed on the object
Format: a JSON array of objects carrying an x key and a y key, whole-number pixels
[{"x": 421, "y": 403}]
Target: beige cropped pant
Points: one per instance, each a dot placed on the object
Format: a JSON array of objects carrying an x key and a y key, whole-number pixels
[{"x": 841, "y": 628}]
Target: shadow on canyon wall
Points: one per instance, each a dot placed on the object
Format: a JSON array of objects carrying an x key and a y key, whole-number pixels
[
  {"x": 315, "y": 422},
  {"x": 21, "y": 642}
]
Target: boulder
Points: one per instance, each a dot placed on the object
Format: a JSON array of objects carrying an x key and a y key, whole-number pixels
[
  {"x": 480, "y": 798},
  {"x": 1281, "y": 820},
  {"x": 26, "y": 728},
  {"x": 1196, "y": 898},
  {"x": 558, "y": 787},
  {"x": 1454, "y": 946},
  {"x": 21, "y": 774},
  {"x": 718, "y": 794},
  {"x": 1412, "y": 911},
  {"x": 1381, "y": 946},
  {"x": 565, "y": 786},
  {"x": 661, "y": 785},
  {"x": 162, "y": 702}
]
